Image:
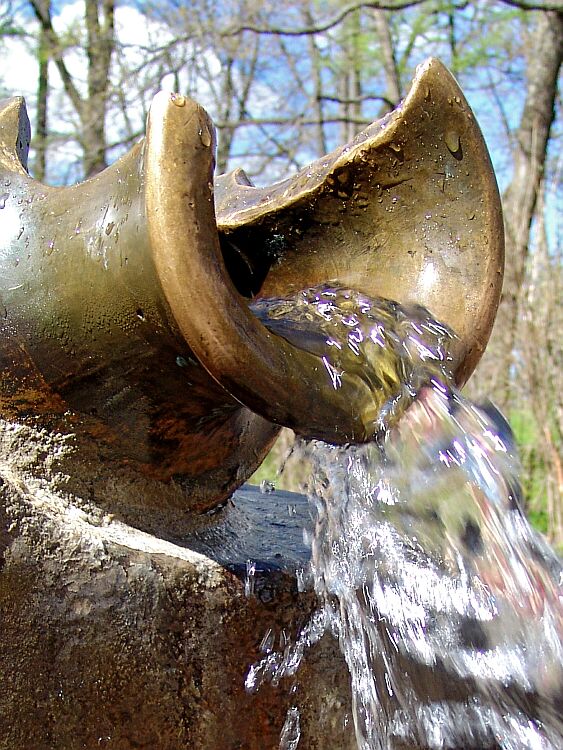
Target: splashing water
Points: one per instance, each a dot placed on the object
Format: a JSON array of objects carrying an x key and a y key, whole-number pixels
[
  {"x": 291, "y": 732},
  {"x": 391, "y": 348},
  {"x": 446, "y": 604}
]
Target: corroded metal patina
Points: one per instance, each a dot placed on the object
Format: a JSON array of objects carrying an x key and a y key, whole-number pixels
[{"x": 124, "y": 299}]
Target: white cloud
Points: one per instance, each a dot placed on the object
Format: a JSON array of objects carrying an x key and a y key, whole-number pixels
[{"x": 19, "y": 69}]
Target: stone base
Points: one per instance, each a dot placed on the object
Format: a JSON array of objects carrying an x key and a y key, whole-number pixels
[{"x": 115, "y": 637}]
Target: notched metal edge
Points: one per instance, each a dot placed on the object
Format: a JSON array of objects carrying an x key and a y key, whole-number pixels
[
  {"x": 239, "y": 203},
  {"x": 15, "y": 134}
]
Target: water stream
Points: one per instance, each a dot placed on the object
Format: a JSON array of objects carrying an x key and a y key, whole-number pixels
[{"x": 426, "y": 570}]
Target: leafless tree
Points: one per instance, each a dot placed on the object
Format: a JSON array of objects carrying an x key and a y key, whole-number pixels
[{"x": 90, "y": 108}]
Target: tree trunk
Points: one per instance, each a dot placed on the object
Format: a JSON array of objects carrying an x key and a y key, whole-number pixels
[
  {"x": 495, "y": 374},
  {"x": 318, "y": 102},
  {"x": 42, "y": 102},
  {"x": 100, "y": 45},
  {"x": 392, "y": 78}
]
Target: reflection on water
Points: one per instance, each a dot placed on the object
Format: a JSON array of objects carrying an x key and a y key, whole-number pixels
[{"x": 446, "y": 604}]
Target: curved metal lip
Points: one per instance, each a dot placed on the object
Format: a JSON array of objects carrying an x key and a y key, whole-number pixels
[
  {"x": 240, "y": 204},
  {"x": 15, "y": 135},
  {"x": 266, "y": 373}
]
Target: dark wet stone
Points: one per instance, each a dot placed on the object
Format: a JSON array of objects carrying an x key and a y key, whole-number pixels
[
  {"x": 257, "y": 527},
  {"x": 471, "y": 537},
  {"x": 515, "y": 496},
  {"x": 473, "y": 635}
]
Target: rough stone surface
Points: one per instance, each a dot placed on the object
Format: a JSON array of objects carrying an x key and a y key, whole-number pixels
[{"x": 116, "y": 637}]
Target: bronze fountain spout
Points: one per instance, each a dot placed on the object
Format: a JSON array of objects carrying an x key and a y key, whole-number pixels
[{"x": 124, "y": 302}]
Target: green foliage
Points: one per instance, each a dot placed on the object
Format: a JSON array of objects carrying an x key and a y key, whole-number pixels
[
  {"x": 268, "y": 469},
  {"x": 534, "y": 473},
  {"x": 287, "y": 465}
]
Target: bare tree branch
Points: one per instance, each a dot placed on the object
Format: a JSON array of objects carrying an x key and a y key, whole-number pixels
[
  {"x": 305, "y": 121},
  {"x": 392, "y": 77},
  {"x": 42, "y": 12},
  {"x": 363, "y": 98},
  {"x": 501, "y": 108},
  {"x": 524, "y": 5},
  {"x": 321, "y": 27}
]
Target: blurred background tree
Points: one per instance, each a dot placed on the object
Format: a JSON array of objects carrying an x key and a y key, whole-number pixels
[{"x": 286, "y": 83}]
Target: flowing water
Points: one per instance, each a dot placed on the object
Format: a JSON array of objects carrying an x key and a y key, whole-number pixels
[{"x": 446, "y": 604}]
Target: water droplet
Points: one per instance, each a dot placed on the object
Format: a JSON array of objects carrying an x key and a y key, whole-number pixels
[
  {"x": 205, "y": 136},
  {"x": 3, "y": 198},
  {"x": 109, "y": 227},
  {"x": 141, "y": 314},
  {"x": 453, "y": 143},
  {"x": 395, "y": 147},
  {"x": 249, "y": 580},
  {"x": 291, "y": 731}
]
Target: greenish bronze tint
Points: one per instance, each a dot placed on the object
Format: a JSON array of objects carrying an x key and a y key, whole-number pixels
[
  {"x": 395, "y": 349},
  {"x": 123, "y": 310},
  {"x": 408, "y": 211}
]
